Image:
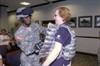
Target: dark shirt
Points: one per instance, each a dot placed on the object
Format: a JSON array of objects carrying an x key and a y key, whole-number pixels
[{"x": 63, "y": 36}]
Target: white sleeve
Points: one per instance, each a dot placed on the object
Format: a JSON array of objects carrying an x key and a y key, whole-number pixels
[
  {"x": 53, "y": 55},
  {"x": 0, "y": 56},
  {"x": 1, "y": 38}
]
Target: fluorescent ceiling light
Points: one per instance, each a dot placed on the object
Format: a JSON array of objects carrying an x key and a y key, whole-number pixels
[{"x": 25, "y": 3}]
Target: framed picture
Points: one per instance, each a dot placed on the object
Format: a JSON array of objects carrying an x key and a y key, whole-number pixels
[
  {"x": 72, "y": 22},
  {"x": 85, "y": 21},
  {"x": 97, "y": 21},
  {"x": 45, "y": 22}
]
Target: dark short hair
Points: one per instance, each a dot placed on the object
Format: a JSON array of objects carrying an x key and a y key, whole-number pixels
[{"x": 3, "y": 30}]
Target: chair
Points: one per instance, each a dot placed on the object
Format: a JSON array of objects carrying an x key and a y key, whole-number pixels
[
  {"x": 13, "y": 58},
  {"x": 3, "y": 50}
]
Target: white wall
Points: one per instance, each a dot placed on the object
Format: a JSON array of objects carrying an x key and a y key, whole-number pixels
[{"x": 78, "y": 8}]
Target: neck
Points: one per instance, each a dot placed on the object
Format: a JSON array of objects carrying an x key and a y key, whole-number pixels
[{"x": 26, "y": 25}]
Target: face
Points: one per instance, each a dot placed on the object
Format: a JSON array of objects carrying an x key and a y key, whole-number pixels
[
  {"x": 27, "y": 21},
  {"x": 3, "y": 32},
  {"x": 58, "y": 18}
]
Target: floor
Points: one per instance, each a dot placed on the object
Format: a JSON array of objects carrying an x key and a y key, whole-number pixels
[{"x": 84, "y": 60}]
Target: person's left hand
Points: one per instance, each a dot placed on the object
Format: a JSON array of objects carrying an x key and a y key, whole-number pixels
[{"x": 18, "y": 38}]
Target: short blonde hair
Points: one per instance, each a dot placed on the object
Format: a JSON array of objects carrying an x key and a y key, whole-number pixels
[{"x": 64, "y": 12}]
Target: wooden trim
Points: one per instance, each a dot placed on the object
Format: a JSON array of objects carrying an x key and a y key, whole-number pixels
[
  {"x": 88, "y": 37},
  {"x": 3, "y": 5}
]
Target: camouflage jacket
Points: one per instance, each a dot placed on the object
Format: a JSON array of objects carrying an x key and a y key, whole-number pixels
[{"x": 30, "y": 37}]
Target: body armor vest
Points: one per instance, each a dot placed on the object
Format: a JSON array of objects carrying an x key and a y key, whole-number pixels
[{"x": 67, "y": 52}]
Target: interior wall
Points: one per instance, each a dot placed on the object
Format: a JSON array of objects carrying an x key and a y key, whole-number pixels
[
  {"x": 78, "y": 8},
  {"x": 3, "y": 17}
]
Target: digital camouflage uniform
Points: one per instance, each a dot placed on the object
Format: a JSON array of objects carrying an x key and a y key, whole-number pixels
[{"x": 31, "y": 37}]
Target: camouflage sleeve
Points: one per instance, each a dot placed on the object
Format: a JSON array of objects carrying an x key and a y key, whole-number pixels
[
  {"x": 29, "y": 38},
  {"x": 41, "y": 29},
  {"x": 17, "y": 41},
  {"x": 26, "y": 46}
]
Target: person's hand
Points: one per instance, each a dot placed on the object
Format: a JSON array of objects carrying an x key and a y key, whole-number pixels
[
  {"x": 42, "y": 59},
  {"x": 18, "y": 38}
]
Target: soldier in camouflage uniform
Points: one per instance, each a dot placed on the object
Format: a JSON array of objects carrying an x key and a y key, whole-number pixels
[{"x": 27, "y": 36}]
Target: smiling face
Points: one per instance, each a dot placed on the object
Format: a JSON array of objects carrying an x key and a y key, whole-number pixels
[
  {"x": 62, "y": 14},
  {"x": 27, "y": 21},
  {"x": 3, "y": 31}
]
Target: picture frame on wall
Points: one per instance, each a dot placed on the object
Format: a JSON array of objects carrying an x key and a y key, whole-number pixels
[
  {"x": 85, "y": 21},
  {"x": 72, "y": 22},
  {"x": 45, "y": 22},
  {"x": 97, "y": 21}
]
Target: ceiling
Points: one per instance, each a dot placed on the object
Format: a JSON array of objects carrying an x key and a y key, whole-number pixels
[{"x": 14, "y": 4}]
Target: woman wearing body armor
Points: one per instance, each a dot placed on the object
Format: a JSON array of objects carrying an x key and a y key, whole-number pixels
[{"x": 63, "y": 45}]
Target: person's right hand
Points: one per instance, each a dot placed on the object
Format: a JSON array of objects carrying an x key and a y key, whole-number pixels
[
  {"x": 18, "y": 38},
  {"x": 42, "y": 59}
]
